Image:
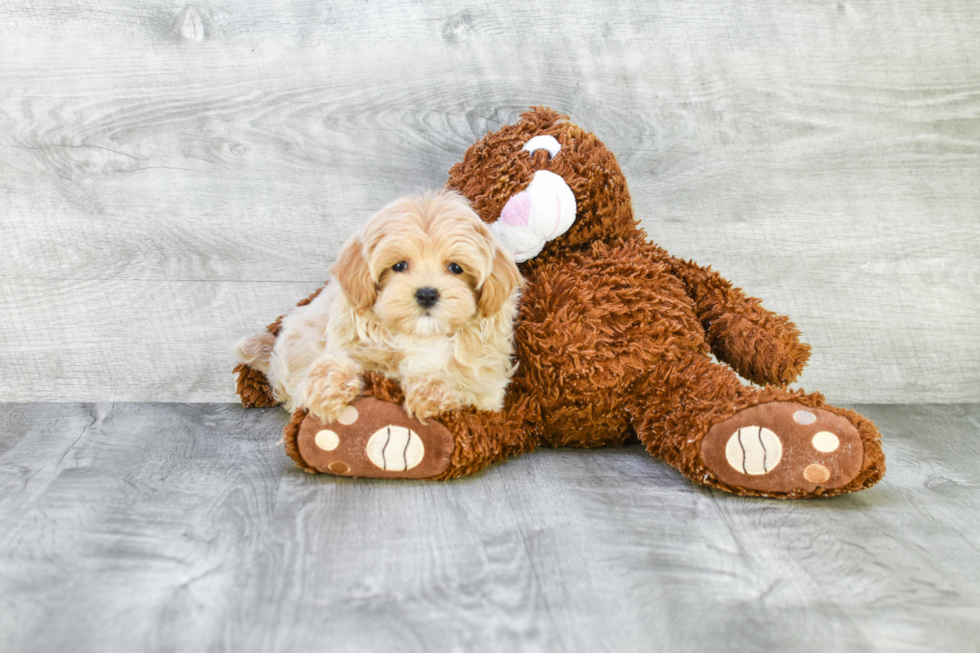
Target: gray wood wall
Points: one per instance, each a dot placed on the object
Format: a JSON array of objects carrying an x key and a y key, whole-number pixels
[{"x": 173, "y": 176}]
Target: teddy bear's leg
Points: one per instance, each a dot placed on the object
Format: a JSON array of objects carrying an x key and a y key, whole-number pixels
[
  {"x": 698, "y": 417},
  {"x": 375, "y": 438}
]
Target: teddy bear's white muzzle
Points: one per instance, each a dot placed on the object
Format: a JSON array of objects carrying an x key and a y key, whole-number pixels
[{"x": 535, "y": 216}]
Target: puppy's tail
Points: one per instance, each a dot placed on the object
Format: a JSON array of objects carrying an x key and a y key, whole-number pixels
[
  {"x": 252, "y": 385},
  {"x": 256, "y": 350}
]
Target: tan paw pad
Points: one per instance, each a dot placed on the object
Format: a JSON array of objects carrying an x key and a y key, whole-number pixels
[
  {"x": 395, "y": 448},
  {"x": 804, "y": 417},
  {"x": 327, "y": 440},
  {"x": 753, "y": 450},
  {"x": 338, "y": 468},
  {"x": 816, "y": 473},
  {"x": 348, "y": 416},
  {"x": 825, "y": 442}
]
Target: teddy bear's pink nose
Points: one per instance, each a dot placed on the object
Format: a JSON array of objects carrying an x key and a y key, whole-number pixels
[{"x": 517, "y": 210}]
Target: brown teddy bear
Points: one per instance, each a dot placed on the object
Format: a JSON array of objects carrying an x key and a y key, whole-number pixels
[{"x": 613, "y": 341}]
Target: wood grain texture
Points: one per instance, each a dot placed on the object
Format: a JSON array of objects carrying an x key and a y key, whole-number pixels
[
  {"x": 175, "y": 175},
  {"x": 157, "y": 527}
]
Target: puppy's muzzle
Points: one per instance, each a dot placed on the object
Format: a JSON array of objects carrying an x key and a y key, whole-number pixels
[{"x": 426, "y": 297}]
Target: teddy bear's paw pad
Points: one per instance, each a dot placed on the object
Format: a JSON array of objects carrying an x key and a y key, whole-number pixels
[
  {"x": 783, "y": 448},
  {"x": 375, "y": 439}
]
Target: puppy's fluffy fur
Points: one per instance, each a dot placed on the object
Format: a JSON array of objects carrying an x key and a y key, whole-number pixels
[{"x": 456, "y": 352}]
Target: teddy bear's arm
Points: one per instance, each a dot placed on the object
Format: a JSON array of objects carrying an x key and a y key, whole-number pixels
[{"x": 760, "y": 345}]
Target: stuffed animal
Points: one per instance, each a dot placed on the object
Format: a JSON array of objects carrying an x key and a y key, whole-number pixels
[{"x": 613, "y": 342}]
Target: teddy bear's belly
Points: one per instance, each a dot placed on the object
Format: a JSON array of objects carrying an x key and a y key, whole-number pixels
[{"x": 588, "y": 331}]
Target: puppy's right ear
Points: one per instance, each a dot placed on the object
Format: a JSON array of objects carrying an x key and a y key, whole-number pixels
[{"x": 352, "y": 273}]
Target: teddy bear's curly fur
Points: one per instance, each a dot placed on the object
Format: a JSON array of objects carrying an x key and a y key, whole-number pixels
[{"x": 614, "y": 340}]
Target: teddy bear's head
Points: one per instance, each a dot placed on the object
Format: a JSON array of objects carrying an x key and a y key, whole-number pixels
[{"x": 545, "y": 186}]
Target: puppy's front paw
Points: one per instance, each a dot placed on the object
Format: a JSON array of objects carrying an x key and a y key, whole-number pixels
[
  {"x": 330, "y": 388},
  {"x": 426, "y": 398}
]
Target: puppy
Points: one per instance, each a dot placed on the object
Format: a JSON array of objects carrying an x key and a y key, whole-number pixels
[{"x": 424, "y": 294}]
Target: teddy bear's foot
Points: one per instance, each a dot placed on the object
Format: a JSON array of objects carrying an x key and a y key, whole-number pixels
[
  {"x": 374, "y": 439},
  {"x": 784, "y": 449}
]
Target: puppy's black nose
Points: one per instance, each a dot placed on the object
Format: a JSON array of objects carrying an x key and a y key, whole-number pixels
[{"x": 426, "y": 297}]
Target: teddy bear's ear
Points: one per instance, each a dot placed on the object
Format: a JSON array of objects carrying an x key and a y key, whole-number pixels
[
  {"x": 352, "y": 273},
  {"x": 500, "y": 285}
]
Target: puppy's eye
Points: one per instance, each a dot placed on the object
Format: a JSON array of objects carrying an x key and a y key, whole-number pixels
[
  {"x": 455, "y": 269},
  {"x": 401, "y": 266}
]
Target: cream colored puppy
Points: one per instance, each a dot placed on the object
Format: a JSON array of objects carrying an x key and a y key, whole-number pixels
[{"x": 423, "y": 294}]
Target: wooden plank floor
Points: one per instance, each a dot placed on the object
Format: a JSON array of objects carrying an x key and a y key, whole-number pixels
[{"x": 153, "y": 527}]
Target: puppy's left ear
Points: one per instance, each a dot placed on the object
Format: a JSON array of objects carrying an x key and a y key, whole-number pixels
[
  {"x": 352, "y": 273},
  {"x": 500, "y": 285}
]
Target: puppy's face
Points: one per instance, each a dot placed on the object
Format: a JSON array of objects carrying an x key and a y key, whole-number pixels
[{"x": 426, "y": 266}]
